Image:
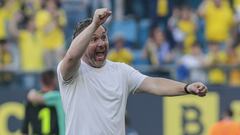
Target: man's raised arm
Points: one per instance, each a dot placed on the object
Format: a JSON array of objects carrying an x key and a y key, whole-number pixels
[{"x": 71, "y": 60}]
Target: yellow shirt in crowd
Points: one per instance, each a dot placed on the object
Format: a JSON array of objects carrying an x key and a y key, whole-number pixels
[
  {"x": 188, "y": 27},
  {"x": 162, "y": 8},
  {"x": 123, "y": 55},
  {"x": 218, "y": 21},
  {"x": 52, "y": 39},
  {"x": 234, "y": 79},
  {"x": 3, "y": 19},
  {"x": 31, "y": 52},
  {"x": 6, "y": 13},
  {"x": 217, "y": 75},
  {"x": 12, "y": 8},
  {"x": 236, "y": 4},
  {"x": 5, "y": 58}
]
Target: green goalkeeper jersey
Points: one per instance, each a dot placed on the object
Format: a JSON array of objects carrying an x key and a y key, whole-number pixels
[{"x": 53, "y": 98}]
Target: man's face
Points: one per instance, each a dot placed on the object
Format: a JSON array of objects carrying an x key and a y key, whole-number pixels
[{"x": 96, "y": 52}]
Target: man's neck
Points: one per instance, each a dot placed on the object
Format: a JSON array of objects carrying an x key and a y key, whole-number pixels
[{"x": 90, "y": 63}]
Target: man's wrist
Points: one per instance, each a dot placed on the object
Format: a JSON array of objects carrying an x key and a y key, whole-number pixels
[
  {"x": 94, "y": 25},
  {"x": 185, "y": 88}
]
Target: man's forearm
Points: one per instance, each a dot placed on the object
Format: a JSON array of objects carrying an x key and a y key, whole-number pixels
[
  {"x": 162, "y": 86},
  {"x": 76, "y": 51},
  {"x": 169, "y": 87},
  {"x": 80, "y": 43}
]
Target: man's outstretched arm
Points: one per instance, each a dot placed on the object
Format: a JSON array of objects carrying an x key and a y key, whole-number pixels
[
  {"x": 71, "y": 60},
  {"x": 167, "y": 87}
]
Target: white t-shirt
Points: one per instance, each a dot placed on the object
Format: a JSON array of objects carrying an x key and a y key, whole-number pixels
[{"x": 95, "y": 99}]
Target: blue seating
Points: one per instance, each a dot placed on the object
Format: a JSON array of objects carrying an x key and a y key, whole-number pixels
[
  {"x": 127, "y": 28},
  {"x": 144, "y": 26},
  {"x": 138, "y": 60},
  {"x": 74, "y": 14}
]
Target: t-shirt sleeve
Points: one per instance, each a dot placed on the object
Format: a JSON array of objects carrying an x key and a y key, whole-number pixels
[
  {"x": 134, "y": 78},
  {"x": 60, "y": 77},
  {"x": 51, "y": 98}
]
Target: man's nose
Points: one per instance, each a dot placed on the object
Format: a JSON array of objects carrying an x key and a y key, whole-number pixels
[{"x": 101, "y": 43}]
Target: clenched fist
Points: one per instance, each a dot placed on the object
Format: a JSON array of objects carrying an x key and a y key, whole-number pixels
[
  {"x": 101, "y": 15},
  {"x": 197, "y": 88}
]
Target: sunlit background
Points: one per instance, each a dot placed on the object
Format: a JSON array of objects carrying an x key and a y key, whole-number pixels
[{"x": 185, "y": 40}]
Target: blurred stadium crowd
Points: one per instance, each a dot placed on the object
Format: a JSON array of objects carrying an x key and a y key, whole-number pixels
[{"x": 193, "y": 40}]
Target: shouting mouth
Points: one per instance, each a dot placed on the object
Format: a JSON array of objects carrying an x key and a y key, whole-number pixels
[{"x": 100, "y": 56}]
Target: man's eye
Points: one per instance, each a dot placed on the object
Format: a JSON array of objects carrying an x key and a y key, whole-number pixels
[
  {"x": 94, "y": 39},
  {"x": 104, "y": 37}
]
